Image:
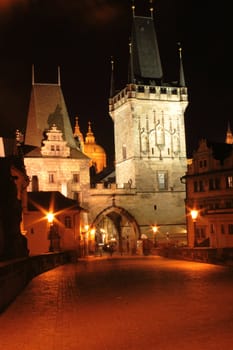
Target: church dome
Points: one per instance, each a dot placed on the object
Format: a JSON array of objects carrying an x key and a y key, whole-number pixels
[{"x": 94, "y": 151}]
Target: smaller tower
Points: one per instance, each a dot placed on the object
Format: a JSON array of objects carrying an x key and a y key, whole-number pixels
[
  {"x": 78, "y": 135},
  {"x": 94, "y": 151},
  {"x": 229, "y": 136}
]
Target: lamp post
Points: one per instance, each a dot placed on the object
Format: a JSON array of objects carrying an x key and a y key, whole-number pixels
[
  {"x": 85, "y": 240},
  {"x": 53, "y": 234},
  {"x": 155, "y": 230},
  {"x": 194, "y": 215}
]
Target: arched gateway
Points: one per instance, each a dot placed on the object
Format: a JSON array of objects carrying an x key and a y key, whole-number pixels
[{"x": 116, "y": 225}]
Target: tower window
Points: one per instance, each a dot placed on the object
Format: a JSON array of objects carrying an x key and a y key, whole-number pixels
[
  {"x": 124, "y": 151},
  {"x": 35, "y": 183},
  {"x": 51, "y": 178},
  {"x": 162, "y": 179},
  {"x": 75, "y": 178},
  {"x": 77, "y": 196}
]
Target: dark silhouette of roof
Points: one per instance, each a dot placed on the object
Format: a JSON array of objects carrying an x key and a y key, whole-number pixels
[
  {"x": 145, "y": 62},
  {"x": 51, "y": 200}
]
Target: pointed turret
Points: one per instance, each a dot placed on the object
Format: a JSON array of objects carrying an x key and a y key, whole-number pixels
[
  {"x": 229, "y": 136},
  {"x": 94, "y": 151},
  {"x": 78, "y": 135},
  {"x": 182, "y": 79},
  {"x": 112, "y": 83}
]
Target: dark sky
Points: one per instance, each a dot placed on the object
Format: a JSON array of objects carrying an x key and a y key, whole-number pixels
[{"x": 82, "y": 35}]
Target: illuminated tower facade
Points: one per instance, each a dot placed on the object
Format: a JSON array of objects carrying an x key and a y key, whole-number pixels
[{"x": 148, "y": 115}]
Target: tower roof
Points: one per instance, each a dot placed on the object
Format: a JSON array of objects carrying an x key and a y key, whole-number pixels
[
  {"x": 47, "y": 107},
  {"x": 145, "y": 60}
]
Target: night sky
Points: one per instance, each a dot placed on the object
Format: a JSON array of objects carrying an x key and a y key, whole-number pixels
[{"x": 82, "y": 35}]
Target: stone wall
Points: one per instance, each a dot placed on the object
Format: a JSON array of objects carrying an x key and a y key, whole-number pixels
[{"x": 15, "y": 274}]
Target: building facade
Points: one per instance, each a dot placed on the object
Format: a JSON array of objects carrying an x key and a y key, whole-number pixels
[
  {"x": 209, "y": 196},
  {"x": 150, "y": 150}
]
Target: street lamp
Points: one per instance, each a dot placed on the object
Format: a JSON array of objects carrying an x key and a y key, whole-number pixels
[
  {"x": 53, "y": 234},
  {"x": 155, "y": 230},
  {"x": 194, "y": 215}
]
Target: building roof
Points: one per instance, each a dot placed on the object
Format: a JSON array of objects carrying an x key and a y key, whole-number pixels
[
  {"x": 47, "y": 107},
  {"x": 74, "y": 154},
  {"x": 219, "y": 150},
  {"x": 50, "y": 200},
  {"x": 145, "y": 61},
  {"x": 7, "y": 146}
]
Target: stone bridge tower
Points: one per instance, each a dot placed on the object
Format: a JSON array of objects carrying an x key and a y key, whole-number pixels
[{"x": 150, "y": 147}]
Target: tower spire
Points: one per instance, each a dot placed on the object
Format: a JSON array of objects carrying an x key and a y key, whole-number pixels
[
  {"x": 131, "y": 71},
  {"x": 133, "y": 8},
  {"x": 112, "y": 84},
  {"x": 229, "y": 136},
  {"x": 151, "y": 9},
  {"x": 33, "y": 75},
  {"x": 78, "y": 135},
  {"x": 182, "y": 79},
  {"x": 58, "y": 76}
]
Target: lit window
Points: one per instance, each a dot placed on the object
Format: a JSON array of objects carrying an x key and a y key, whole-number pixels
[{"x": 229, "y": 181}]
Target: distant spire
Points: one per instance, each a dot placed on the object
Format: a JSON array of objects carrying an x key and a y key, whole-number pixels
[
  {"x": 151, "y": 8},
  {"x": 133, "y": 8},
  {"x": 182, "y": 79},
  {"x": 77, "y": 134},
  {"x": 33, "y": 75},
  {"x": 58, "y": 76},
  {"x": 131, "y": 70},
  {"x": 112, "y": 83},
  {"x": 229, "y": 136}
]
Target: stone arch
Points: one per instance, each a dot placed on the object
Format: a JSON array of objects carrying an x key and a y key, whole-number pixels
[{"x": 116, "y": 223}]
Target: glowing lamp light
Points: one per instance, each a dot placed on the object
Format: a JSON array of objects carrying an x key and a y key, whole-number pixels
[
  {"x": 50, "y": 217},
  {"x": 154, "y": 228},
  {"x": 194, "y": 214},
  {"x": 92, "y": 232}
]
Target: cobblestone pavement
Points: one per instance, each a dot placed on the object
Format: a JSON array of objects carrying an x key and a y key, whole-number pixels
[{"x": 123, "y": 304}]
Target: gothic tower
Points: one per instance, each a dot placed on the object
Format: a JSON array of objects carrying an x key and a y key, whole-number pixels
[{"x": 148, "y": 116}]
